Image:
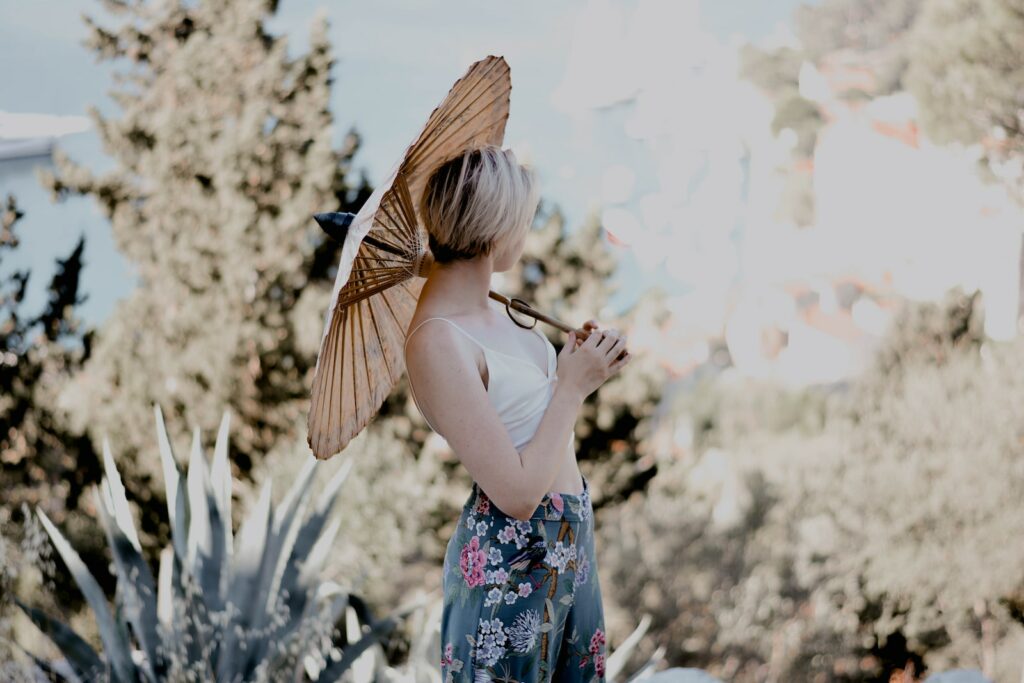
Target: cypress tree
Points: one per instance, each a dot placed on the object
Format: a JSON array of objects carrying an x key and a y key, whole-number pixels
[{"x": 223, "y": 152}]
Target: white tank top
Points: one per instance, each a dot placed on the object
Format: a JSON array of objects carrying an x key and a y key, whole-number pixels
[{"x": 518, "y": 389}]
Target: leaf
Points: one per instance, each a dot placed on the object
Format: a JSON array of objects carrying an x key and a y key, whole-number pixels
[
  {"x": 86, "y": 664},
  {"x": 115, "y": 647},
  {"x": 165, "y": 589},
  {"x": 377, "y": 630},
  {"x": 220, "y": 478},
  {"x": 311, "y": 529},
  {"x": 546, "y": 626},
  {"x": 285, "y": 524},
  {"x": 134, "y": 579},
  {"x": 115, "y": 496},
  {"x": 617, "y": 660},
  {"x": 207, "y": 555},
  {"x": 566, "y": 599},
  {"x": 174, "y": 486},
  {"x": 277, "y": 558},
  {"x": 199, "y": 516},
  {"x": 246, "y": 566}
]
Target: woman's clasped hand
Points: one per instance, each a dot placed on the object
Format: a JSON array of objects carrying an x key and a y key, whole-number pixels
[{"x": 586, "y": 364}]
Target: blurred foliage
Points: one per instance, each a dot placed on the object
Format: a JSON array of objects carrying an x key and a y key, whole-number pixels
[
  {"x": 967, "y": 74},
  {"x": 212, "y": 205},
  {"x": 839, "y": 536},
  {"x": 254, "y": 609},
  {"x": 771, "y": 70},
  {"x": 928, "y": 333},
  {"x": 42, "y": 462},
  {"x": 856, "y": 25},
  {"x": 827, "y": 535},
  {"x": 223, "y": 152},
  {"x": 800, "y": 115},
  {"x": 776, "y": 73},
  {"x": 832, "y": 34}
]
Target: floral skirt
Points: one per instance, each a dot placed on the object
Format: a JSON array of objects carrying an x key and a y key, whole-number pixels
[{"x": 522, "y": 602}]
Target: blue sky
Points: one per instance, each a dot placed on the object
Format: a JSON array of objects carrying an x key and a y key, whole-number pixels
[{"x": 395, "y": 61}]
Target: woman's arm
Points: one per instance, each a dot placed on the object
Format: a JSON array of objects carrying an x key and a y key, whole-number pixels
[{"x": 442, "y": 368}]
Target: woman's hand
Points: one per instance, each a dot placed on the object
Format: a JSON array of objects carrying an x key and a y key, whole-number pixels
[
  {"x": 588, "y": 327},
  {"x": 586, "y": 365}
]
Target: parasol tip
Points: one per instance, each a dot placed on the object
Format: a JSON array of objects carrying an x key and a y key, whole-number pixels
[{"x": 335, "y": 223}]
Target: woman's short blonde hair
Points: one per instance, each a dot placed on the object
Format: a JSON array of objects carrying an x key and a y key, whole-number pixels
[{"x": 477, "y": 200}]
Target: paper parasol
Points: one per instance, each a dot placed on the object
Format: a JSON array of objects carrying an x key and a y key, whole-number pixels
[{"x": 384, "y": 260}]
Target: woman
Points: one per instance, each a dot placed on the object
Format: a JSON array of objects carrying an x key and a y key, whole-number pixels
[{"x": 522, "y": 600}]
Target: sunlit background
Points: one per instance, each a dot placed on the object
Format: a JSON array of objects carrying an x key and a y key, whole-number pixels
[{"x": 807, "y": 217}]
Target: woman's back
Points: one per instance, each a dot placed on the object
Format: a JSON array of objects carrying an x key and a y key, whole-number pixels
[{"x": 517, "y": 388}]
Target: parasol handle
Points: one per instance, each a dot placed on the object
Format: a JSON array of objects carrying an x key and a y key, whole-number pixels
[{"x": 525, "y": 308}]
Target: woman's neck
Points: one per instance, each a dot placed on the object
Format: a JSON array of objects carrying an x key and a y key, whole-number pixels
[{"x": 463, "y": 285}]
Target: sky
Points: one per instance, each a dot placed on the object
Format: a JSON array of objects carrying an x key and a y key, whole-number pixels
[{"x": 626, "y": 109}]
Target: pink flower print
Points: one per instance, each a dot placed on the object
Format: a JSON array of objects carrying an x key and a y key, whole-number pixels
[
  {"x": 556, "y": 500},
  {"x": 508, "y": 534},
  {"x": 599, "y": 664},
  {"x": 472, "y": 562},
  {"x": 596, "y": 641},
  {"x": 446, "y": 659},
  {"x": 525, "y": 589}
]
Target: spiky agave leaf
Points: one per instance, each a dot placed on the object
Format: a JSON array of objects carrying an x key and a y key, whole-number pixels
[
  {"x": 364, "y": 666},
  {"x": 206, "y": 552},
  {"x": 376, "y": 629},
  {"x": 115, "y": 645},
  {"x": 174, "y": 485},
  {"x": 311, "y": 530},
  {"x": 299, "y": 581},
  {"x": 266, "y": 607},
  {"x": 201, "y": 534},
  {"x": 616, "y": 660},
  {"x": 135, "y": 585},
  {"x": 220, "y": 479},
  {"x": 332, "y": 600},
  {"x": 423, "y": 641},
  {"x": 165, "y": 588},
  {"x": 288, "y": 518},
  {"x": 246, "y": 565},
  {"x": 133, "y": 572},
  {"x": 227, "y": 608},
  {"x": 84, "y": 661}
]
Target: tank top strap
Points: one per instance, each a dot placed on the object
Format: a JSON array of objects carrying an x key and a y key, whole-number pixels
[{"x": 456, "y": 325}]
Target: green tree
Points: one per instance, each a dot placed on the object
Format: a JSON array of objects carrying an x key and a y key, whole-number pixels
[
  {"x": 223, "y": 149},
  {"x": 923, "y": 490},
  {"x": 837, "y": 535},
  {"x": 776, "y": 72},
  {"x": 43, "y": 463},
  {"x": 39, "y": 455},
  {"x": 967, "y": 74},
  {"x": 869, "y": 28}
]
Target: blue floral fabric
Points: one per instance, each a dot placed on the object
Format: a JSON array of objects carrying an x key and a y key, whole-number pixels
[{"x": 522, "y": 601}]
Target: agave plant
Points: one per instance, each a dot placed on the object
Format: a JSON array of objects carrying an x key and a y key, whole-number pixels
[{"x": 225, "y": 609}]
